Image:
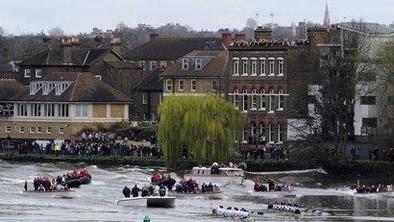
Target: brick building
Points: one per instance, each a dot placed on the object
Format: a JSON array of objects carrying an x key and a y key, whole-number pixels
[
  {"x": 197, "y": 73},
  {"x": 58, "y": 106}
]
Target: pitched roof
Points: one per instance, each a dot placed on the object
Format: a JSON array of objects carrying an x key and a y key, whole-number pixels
[
  {"x": 10, "y": 88},
  {"x": 216, "y": 63},
  {"x": 151, "y": 83},
  {"x": 55, "y": 56},
  {"x": 84, "y": 88},
  {"x": 6, "y": 68},
  {"x": 123, "y": 64},
  {"x": 172, "y": 48}
]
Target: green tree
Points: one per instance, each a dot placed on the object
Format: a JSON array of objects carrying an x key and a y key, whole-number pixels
[{"x": 207, "y": 126}]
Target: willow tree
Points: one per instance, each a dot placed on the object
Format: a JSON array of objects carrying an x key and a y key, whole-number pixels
[{"x": 207, "y": 125}]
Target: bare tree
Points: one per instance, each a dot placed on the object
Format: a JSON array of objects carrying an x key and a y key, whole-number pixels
[{"x": 56, "y": 32}]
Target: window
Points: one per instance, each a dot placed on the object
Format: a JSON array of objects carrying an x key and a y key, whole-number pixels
[
  {"x": 61, "y": 130},
  {"x": 235, "y": 66},
  {"x": 22, "y": 109},
  {"x": 254, "y": 99},
  {"x": 22, "y": 129},
  {"x": 163, "y": 64},
  {"x": 244, "y": 135},
  {"x": 254, "y": 67},
  {"x": 35, "y": 109},
  {"x": 262, "y": 99},
  {"x": 281, "y": 132},
  {"x": 262, "y": 132},
  {"x": 81, "y": 110},
  {"x": 49, "y": 130},
  {"x": 142, "y": 64},
  {"x": 185, "y": 64},
  {"x": 39, "y": 129},
  {"x": 271, "y": 133},
  {"x": 32, "y": 129},
  {"x": 152, "y": 65},
  {"x": 272, "y": 66},
  {"x": 38, "y": 73},
  {"x": 215, "y": 86},
  {"x": 181, "y": 85},
  {"x": 262, "y": 66},
  {"x": 236, "y": 98},
  {"x": 63, "y": 110},
  {"x": 8, "y": 129},
  {"x": 193, "y": 85},
  {"x": 245, "y": 100},
  {"x": 244, "y": 66},
  {"x": 368, "y": 100},
  {"x": 169, "y": 85},
  {"x": 144, "y": 99},
  {"x": 280, "y": 67},
  {"x": 281, "y": 103},
  {"x": 271, "y": 101},
  {"x": 98, "y": 77},
  {"x": 49, "y": 110},
  {"x": 27, "y": 73},
  {"x": 198, "y": 64}
]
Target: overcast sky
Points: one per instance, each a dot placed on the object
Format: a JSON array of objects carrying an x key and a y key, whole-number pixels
[{"x": 74, "y": 16}]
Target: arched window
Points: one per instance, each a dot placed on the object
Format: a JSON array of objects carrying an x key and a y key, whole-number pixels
[
  {"x": 271, "y": 100},
  {"x": 254, "y": 99},
  {"x": 281, "y": 132},
  {"x": 262, "y": 66},
  {"x": 271, "y": 133},
  {"x": 271, "y": 66},
  {"x": 235, "y": 66},
  {"x": 244, "y": 66},
  {"x": 262, "y": 132},
  {"x": 263, "y": 100},
  {"x": 280, "y": 67},
  {"x": 254, "y": 66},
  {"x": 245, "y": 100},
  {"x": 236, "y": 98},
  {"x": 281, "y": 101}
]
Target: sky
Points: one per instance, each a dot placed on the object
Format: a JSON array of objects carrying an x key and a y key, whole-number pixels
[{"x": 75, "y": 16}]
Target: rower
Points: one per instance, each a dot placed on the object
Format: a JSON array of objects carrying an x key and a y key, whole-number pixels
[{"x": 126, "y": 191}]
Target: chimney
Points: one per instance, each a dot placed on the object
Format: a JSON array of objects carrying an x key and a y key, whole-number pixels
[
  {"x": 116, "y": 45},
  {"x": 239, "y": 37},
  {"x": 67, "y": 50},
  {"x": 263, "y": 33},
  {"x": 98, "y": 40},
  {"x": 75, "y": 42},
  {"x": 153, "y": 36},
  {"x": 226, "y": 39}
]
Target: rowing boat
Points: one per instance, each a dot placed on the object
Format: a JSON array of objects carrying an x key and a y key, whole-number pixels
[{"x": 152, "y": 201}]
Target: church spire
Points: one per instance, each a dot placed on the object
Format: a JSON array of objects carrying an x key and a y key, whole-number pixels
[{"x": 326, "y": 21}]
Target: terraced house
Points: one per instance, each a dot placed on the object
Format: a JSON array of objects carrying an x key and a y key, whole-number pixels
[{"x": 58, "y": 106}]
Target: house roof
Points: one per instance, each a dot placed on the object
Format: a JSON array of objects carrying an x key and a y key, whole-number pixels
[
  {"x": 84, "y": 88},
  {"x": 151, "y": 83},
  {"x": 6, "y": 68},
  {"x": 8, "y": 75},
  {"x": 55, "y": 56},
  {"x": 123, "y": 64},
  {"x": 172, "y": 48},
  {"x": 10, "y": 88},
  {"x": 215, "y": 66}
]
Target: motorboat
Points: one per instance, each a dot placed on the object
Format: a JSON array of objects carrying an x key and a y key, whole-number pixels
[
  {"x": 152, "y": 201},
  {"x": 213, "y": 195},
  {"x": 224, "y": 175}
]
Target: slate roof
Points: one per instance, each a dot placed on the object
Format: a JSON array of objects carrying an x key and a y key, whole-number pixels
[
  {"x": 123, "y": 64},
  {"x": 172, "y": 48},
  {"x": 151, "y": 83},
  {"x": 85, "y": 88},
  {"x": 10, "y": 89},
  {"x": 6, "y": 68},
  {"x": 216, "y": 66},
  {"x": 55, "y": 56}
]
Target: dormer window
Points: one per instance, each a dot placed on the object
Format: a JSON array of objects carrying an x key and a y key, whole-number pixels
[
  {"x": 185, "y": 64},
  {"x": 38, "y": 73},
  {"x": 152, "y": 65},
  {"x": 27, "y": 73},
  {"x": 198, "y": 64}
]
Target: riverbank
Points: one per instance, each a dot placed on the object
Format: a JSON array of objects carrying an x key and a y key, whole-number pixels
[{"x": 360, "y": 167}]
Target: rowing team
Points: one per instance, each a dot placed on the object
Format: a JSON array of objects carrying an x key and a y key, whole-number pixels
[
  {"x": 231, "y": 212},
  {"x": 293, "y": 208}
]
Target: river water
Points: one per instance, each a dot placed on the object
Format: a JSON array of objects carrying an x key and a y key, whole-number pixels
[{"x": 97, "y": 201}]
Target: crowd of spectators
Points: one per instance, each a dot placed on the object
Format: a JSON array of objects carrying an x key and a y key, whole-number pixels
[
  {"x": 384, "y": 154},
  {"x": 270, "y": 151}
]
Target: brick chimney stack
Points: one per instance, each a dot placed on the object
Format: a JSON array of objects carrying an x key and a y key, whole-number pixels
[
  {"x": 67, "y": 44},
  {"x": 263, "y": 33},
  {"x": 153, "y": 36},
  {"x": 240, "y": 37},
  {"x": 116, "y": 45},
  {"x": 227, "y": 39}
]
